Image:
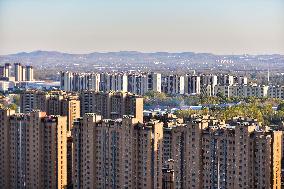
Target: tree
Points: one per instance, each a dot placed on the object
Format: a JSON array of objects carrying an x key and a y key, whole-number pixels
[
  {"x": 280, "y": 107},
  {"x": 13, "y": 106}
]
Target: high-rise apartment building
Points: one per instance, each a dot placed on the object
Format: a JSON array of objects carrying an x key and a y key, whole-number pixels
[
  {"x": 258, "y": 91},
  {"x": 70, "y": 81},
  {"x": 241, "y": 80},
  {"x": 154, "y": 82},
  {"x": 141, "y": 83},
  {"x": 112, "y": 105},
  {"x": 276, "y": 92},
  {"x": 168, "y": 175},
  {"x": 24, "y": 73},
  {"x": 5, "y": 137},
  {"x": 35, "y": 146},
  {"x": 18, "y": 72},
  {"x": 118, "y": 153},
  {"x": 66, "y": 79},
  {"x": 33, "y": 100},
  {"x": 114, "y": 82},
  {"x": 225, "y": 79},
  {"x": 53, "y": 103},
  {"x": 208, "y": 153},
  {"x": 192, "y": 84},
  {"x": 209, "y": 80},
  {"x": 137, "y": 84},
  {"x": 29, "y": 73},
  {"x": 7, "y": 70},
  {"x": 173, "y": 84},
  {"x": 2, "y": 71}
]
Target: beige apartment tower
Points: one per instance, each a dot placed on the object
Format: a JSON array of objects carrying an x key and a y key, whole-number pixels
[
  {"x": 208, "y": 153},
  {"x": 5, "y": 147},
  {"x": 121, "y": 153},
  {"x": 53, "y": 103},
  {"x": 112, "y": 105},
  {"x": 37, "y": 151}
]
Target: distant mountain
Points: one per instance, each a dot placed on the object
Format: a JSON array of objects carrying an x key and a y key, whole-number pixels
[{"x": 132, "y": 60}]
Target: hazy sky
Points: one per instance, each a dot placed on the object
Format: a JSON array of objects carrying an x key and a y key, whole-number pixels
[{"x": 82, "y": 26}]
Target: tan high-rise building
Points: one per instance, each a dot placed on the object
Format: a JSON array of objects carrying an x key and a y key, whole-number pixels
[
  {"x": 112, "y": 105},
  {"x": 120, "y": 153},
  {"x": 37, "y": 155},
  {"x": 70, "y": 107},
  {"x": 55, "y": 141},
  {"x": 148, "y": 141},
  {"x": 53, "y": 103},
  {"x": 4, "y": 147},
  {"x": 33, "y": 100},
  {"x": 218, "y": 154},
  {"x": 244, "y": 156},
  {"x": 69, "y": 160},
  {"x": 211, "y": 154},
  {"x": 168, "y": 175}
]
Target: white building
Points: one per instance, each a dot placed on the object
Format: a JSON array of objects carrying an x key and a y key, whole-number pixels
[
  {"x": 225, "y": 79},
  {"x": 79, "y": 81},
  {"x": 154, "y": 82},
  {"x": 209, "y": 80},
  {"x": 192, "y": 84},
  {"x": 137, "y": 84},
  {"x": 114, "y": 82},
  {"x": 242, "y": 90},
  {"x": 276, "y": 92},
  {"x": 173, "y": 84},
  {"x": 141, "y": 83},
  {"x": 6, "y": 85}
]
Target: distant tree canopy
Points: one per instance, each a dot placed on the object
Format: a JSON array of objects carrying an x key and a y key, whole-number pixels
[
  {"x": 263, "y": 113},
  {"x": 155, "y": 95},
  {"x": 157, "y": 98},
  {"x": 280, "y": 107}
]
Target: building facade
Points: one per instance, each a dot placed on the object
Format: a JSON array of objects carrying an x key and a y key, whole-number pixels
[
  {"x": 36, "y": 150},
  {"x": 112, "y": 105},
  {"x": 120, "y": 153}
]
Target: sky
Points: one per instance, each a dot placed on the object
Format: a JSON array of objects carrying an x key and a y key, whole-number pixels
[{"x": 84, "y": 26}]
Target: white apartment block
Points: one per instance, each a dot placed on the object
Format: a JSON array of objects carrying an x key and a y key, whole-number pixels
[
  {"x": 137, "y": 84},
  {"x": 225, "y": 79},
  {"x": 141, "y": 83},
  {"x": 276, "y": 92},
  {"x": 154, "y": 82},
  {"x": 114, "y": 82},
  {"x": 70, "y": 81},
  {"x": 192, "y": 84},
  {"x": 173, "y": 84},
  {"x": 209, "y": 80},
  {"x": 242, "y": 91}
]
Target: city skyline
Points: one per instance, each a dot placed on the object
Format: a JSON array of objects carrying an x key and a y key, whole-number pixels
[{"x": 219, "y": 27}]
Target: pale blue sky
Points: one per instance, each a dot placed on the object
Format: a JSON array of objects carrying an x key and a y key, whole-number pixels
[{"x": 82, "y": 26}]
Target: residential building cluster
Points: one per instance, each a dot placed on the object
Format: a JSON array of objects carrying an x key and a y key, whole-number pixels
[
  {"x": 190, "y": 84},
  {"x": 10, "y": 78},
  {"x": 111, "y": 145},
  {"x": 21, "y": 72}
]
